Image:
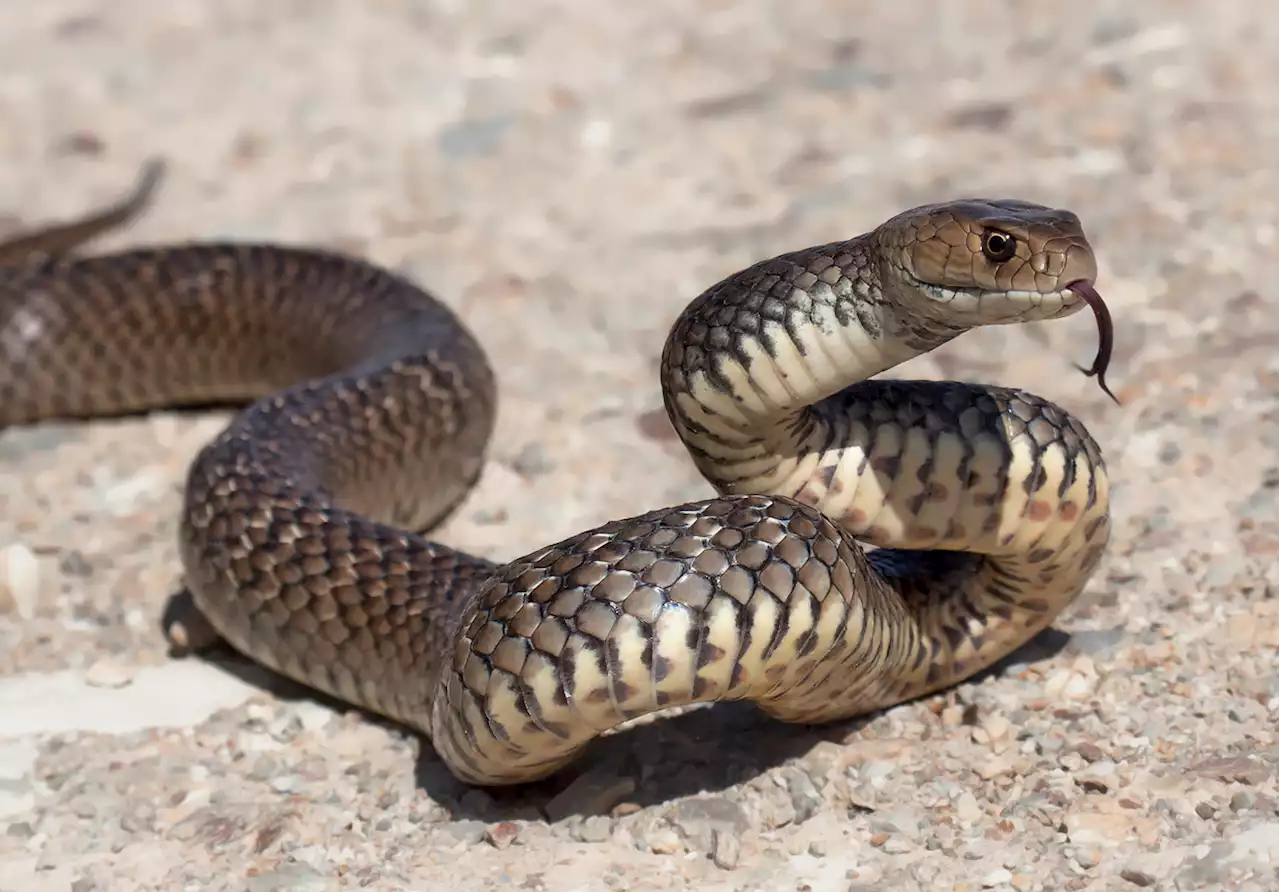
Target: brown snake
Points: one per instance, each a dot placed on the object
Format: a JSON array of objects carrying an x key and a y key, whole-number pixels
[{"x": 371, "y": 407}]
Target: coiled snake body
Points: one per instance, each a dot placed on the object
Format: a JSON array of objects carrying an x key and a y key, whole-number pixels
[{"x": 371, "y": 407}]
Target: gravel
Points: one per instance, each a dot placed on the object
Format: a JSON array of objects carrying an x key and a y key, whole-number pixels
[{"x": 567, "y": 178}]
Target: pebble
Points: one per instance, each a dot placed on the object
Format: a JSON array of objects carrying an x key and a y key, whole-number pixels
[
  {"x": 996, "y": 766},
  {"x": 664, "y": 841},
  {"x": 594, "y": 828},
  {"x": 896, "y": 845},
  {"x": 726, "y": 849},
  {"x": 900, "y": 822},
  {"x": 967, "y": 809},
  {"x": 17, "y": 765},
  {"x": 699, "y": 818},
  {"x": 1234, "y": 769},
  {"x": 292, "y": 877},
  {"x": 19, "y": 581},
  {"x": 1090, "y": 751},
  {"x": 533, "y": 460},
  {"x": 502, "y": 835},
  {"x": 876, "y": 772},
  {"x": 1148, "y": 868},
  {"x": 108, "y": 673},
  {"x": 1098, "y": 642},
  {"x": 1261, "y": 840},
  {"x": 805, "y": 798},
  {"x": 593, "y": 792},
  {"x": 999, "y": 877},
  {"x": 467, "y": 830}
]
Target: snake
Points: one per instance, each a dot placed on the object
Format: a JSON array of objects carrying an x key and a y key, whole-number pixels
[{"x": 869, "y": 541}]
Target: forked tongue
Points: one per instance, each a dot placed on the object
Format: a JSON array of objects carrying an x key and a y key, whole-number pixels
[{"x": 1103, "y": 315}]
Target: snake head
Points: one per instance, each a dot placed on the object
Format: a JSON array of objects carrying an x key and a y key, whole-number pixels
[
  {"x": 983, "y": 262},
  {"x": 977, "y": 262}
]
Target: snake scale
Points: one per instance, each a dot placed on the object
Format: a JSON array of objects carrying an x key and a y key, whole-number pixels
[{"x": 369, "y": 409}]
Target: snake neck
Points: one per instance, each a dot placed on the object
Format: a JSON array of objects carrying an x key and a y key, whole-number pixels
[{"x": 758, "y": 357}]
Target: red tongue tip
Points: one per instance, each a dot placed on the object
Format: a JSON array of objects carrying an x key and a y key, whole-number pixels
[{"x": 1103, "y": 317}]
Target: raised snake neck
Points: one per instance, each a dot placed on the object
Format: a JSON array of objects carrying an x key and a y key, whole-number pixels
[{"x": 373, "y": 406}]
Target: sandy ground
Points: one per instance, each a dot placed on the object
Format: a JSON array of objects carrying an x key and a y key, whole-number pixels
[{"x": 568, "y": 176}]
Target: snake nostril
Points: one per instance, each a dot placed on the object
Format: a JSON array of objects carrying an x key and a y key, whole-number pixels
[{"x": 1080, "y": 265}]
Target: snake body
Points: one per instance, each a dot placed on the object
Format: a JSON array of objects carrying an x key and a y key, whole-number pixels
[{"x": 370, "y": 407}]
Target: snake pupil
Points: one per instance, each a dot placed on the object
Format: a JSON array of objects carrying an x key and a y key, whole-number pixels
[{"x": 998, "y": 246}]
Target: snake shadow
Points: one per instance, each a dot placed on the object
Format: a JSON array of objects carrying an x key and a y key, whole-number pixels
[{"x": 707, "y": 749}]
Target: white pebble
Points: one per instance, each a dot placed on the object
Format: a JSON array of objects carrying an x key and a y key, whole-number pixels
[
  {"x": 967, "y": 809},
  {"x": 19, "y": 580},
  {"x": 312, "y": 715},
  {"x": 1078, "y": 687},
  {"x": 597, "y": 134},
  {"x": 895, "y": 845},
  {"x": 664, "y": 841},
  {"x": 998, "y": 877},
  {"x": 107, "y": 673}
]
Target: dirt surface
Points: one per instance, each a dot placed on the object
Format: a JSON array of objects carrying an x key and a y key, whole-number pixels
[{"x": 568, "y": 176}]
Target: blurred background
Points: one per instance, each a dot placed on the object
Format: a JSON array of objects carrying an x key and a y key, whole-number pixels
[{"x": 569, "y": 175}]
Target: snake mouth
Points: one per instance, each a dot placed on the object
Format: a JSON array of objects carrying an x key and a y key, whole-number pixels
[{"x": 1086, "y": 292}]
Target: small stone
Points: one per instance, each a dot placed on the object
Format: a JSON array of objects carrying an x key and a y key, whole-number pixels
[
  {"x": 996, "y": 766},
  {"x": 73, "y": 563},
  {"x": 593, "y": 828},
  {"x": 1092, "y": 828},
  {"x": 1137, "y": 877},
  {"x": 900, "y": 822},
  {"x": 533, "y": 460},
  {"x": 490, "y": 516},
  {"x": 1206, "y": 810},
  {"x": 664, "y": 841},
  {"x": 805, "y": 798},
  {"x": 1078, "y": 687},
  {"x": 467, "y": 831},
  {"x": 1071, "y": 761},
  {"x": 293, "y": 876},
  {"x": 1233, "y": 769},
  {"x": 594, "y": 792},
  {"x": 1087, "y": 859},
  {"x": 876, "y": 770},
  {"x": 998, "y": 877},
  {"x": 1090, "y": 752},
  {"x": 19, "y": 581},
  {"x": 699, "y": 819},
  {"x": 726, "y": 850},
  {"x": 107, "y": 673},
  {"x": 895, "y": 845},
  {"x": 1240, "y": 801},
  {"x": 1098, "y": 641},
  {"x": 1098, "y": 777},
  {"x": 312, "y": 716},
  {"x": 818, "y": 848},
  {"x": 967, "y": 809},
  {"x": 996, "y": 727},
  {"x": 286, "y": 783},
  {"x": 502, "y": 835},
  {"x": 1261, "y": 841},
  {"x": 1148, "y": 868}
]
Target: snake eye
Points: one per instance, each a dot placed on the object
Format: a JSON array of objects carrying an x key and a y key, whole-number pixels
[{"x": 998, "y": 246}]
